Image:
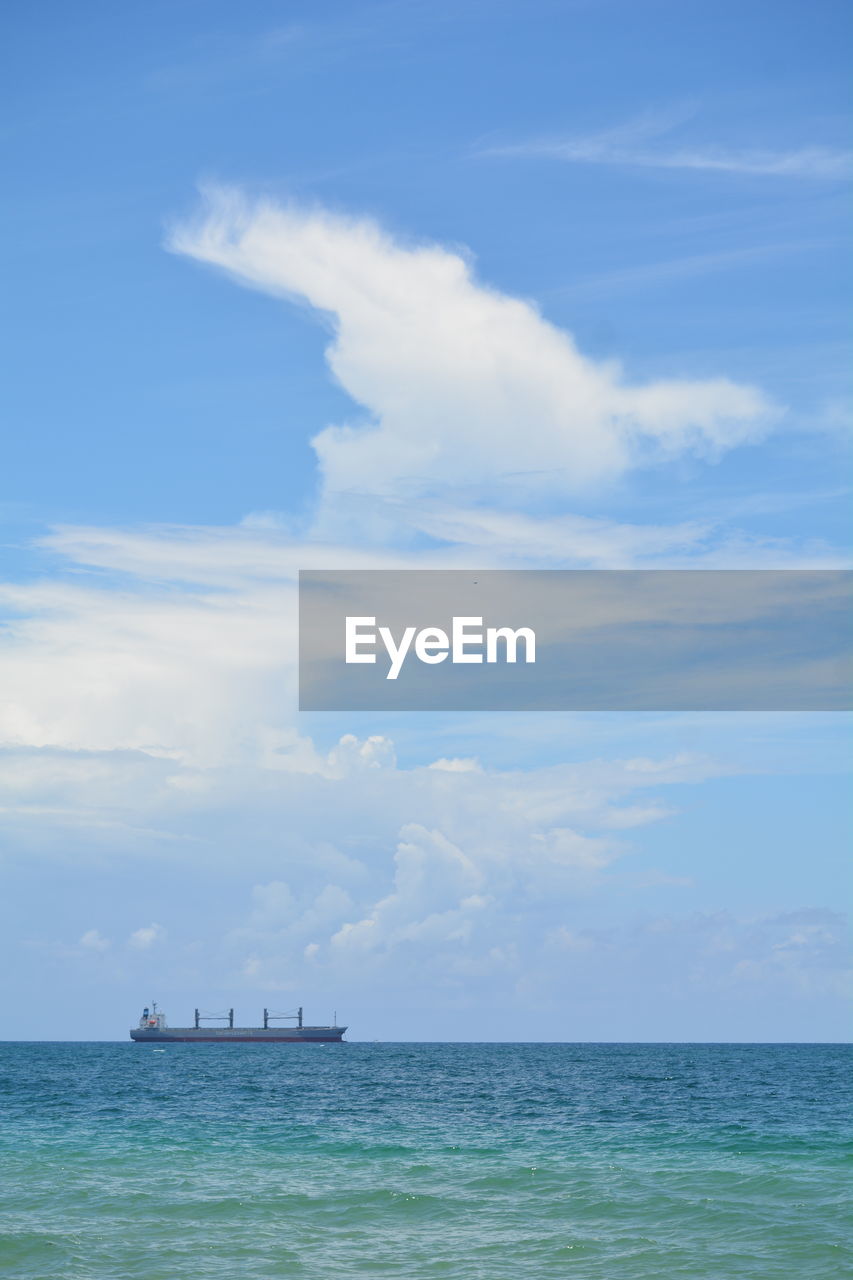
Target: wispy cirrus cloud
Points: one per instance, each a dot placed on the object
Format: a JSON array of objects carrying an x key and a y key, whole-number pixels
[
  {"x": 687, "y": 267},
  {"x": 632, "y": 144}
]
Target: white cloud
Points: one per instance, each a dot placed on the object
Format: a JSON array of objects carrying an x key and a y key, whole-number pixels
[
  {"x": 92, "y": 940},
  {"x": 180, "y": 658},
  {"x": 462, "y": 385},
  {"x": 514, "y": 537},
  {"x": 144, "y": 938},
  {"x": 143, "y": 668},
  {"x": 625, "y": 144},
  {"x": 800, "y": 952},
  {"x": 457, "y": 764},
  {"x": 435, "y": 886}
]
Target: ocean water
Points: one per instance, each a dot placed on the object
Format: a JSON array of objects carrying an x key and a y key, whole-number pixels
[{"x": 723, "y": 1162}]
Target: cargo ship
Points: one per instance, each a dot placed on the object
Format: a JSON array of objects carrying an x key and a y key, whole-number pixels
[{"x": 153, "y": 1028}]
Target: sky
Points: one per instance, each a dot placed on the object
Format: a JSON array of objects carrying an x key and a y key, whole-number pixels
[{"x": 553, "y": 284}]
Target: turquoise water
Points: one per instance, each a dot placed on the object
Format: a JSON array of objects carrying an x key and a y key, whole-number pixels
[{"x": 417, "y": 1161}]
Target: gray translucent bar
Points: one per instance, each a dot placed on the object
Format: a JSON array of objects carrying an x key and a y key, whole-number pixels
[{"x": 605, "y": 640}]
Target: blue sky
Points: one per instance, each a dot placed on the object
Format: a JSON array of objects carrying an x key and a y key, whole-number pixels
[{"x": 664, "y": 187}]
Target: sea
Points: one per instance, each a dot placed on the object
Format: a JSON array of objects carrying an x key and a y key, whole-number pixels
[{"x": 618, "y": 1161}]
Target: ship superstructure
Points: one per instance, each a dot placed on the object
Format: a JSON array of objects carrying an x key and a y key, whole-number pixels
[{"x": 153, "y": 1026}]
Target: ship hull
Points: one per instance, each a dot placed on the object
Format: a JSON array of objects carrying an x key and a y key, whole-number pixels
[{"x": 238, "y": 1035}]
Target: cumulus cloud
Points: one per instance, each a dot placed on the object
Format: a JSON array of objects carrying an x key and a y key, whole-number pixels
[
  {"x": 142, "y": 939},
  {"x": 434, "y": 890},
  {"x": 461, "y": 385},
  {"x": 92, "y": 940},
  {"x": 723, "y": 959},
  {"x": 369, "y": 867},
  {"x": 451, "y": 860}
]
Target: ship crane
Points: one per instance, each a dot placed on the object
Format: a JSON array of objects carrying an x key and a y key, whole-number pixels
[
  {"x": 282, "y": 1017},
  {"x": 214, "y": 1017}
]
